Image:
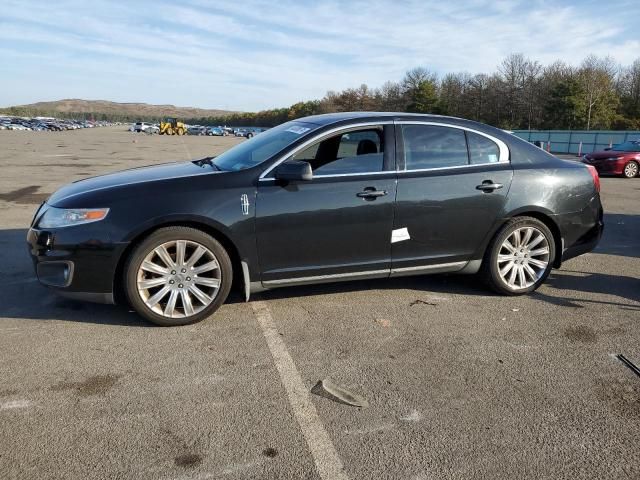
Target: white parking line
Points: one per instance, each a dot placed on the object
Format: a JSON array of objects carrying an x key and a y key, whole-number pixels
[
  {"x": 15, "y": 404},
  {"x": 324, "y": 454}
]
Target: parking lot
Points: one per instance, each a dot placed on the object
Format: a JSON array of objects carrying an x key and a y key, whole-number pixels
[{"x": 461, "y": 383}]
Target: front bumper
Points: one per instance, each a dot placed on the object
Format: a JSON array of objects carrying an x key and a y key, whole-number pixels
[{"x": 78, "y": 262}]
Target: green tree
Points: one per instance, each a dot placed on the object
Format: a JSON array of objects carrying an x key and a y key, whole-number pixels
[
  {"x": 565, "y": 106},
  {"x": 596, "y": 77},
  {"x": 423, "y": 98}
]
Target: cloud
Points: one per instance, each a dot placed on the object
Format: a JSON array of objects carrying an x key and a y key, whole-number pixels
[{"x": 262, "y": 54}]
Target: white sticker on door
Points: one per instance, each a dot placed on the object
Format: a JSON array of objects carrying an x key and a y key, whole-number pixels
[{"x": 399, "y": 235}]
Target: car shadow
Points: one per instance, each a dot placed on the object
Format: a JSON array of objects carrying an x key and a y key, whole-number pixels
[
  {"x": 22, "y": 297},
  {"x": 585, "y": 282},
  {"x": 621, "y": 235}
]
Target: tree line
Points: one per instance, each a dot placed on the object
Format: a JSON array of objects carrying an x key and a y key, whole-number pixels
[{"x": 521, "y": 94}]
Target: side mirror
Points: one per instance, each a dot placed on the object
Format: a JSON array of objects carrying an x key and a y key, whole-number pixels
[{"x": 294, "y": 170}]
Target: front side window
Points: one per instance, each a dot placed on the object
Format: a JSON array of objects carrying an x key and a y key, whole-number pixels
[
  {"x": 431, "y": 146},
  {"x": 359, "y": 151}
]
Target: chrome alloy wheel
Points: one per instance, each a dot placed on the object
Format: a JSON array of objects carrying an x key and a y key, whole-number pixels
[
  {"x": 179, "y": 279},
  {"x": 631, "y": 169},
  {"x": 523, "y": 258}
]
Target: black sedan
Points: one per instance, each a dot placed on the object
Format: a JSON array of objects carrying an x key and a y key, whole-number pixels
[{"x": 321, "y": 199}]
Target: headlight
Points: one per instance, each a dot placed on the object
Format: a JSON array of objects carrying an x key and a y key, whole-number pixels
[{"x": 62, "y": 217}]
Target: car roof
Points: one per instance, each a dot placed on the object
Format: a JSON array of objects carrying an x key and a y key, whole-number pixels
[{"x": 329, "y": 118}]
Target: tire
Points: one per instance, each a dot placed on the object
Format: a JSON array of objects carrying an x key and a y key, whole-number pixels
[
  {"x": 180, "y": 131},
  {"x": 249, "y": 135},
  {"x": 631, "y": 169},
  {"x": 167, "y": 294},
  {"x": 535, "y": 268}
]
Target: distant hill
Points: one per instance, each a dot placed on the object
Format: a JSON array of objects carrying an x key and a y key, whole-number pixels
[{"x": 103, "y": 108}]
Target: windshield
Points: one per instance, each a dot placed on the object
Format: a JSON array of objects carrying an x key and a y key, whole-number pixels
[
  {"x": 262, "y": 147},
  {"x": 627, "y": 147}
]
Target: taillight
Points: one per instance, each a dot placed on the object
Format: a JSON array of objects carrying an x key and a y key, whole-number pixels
[{"x": 596, "y": 177}]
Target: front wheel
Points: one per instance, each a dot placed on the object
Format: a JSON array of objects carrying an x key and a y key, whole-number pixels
[
  {"x": 631, "y": 169},
  {"x": 520, "y": 257},
  {"x": 178, "y": 276}
]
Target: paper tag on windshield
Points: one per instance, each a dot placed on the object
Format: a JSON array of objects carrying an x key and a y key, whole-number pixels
[{"x": 298, "y": 130}]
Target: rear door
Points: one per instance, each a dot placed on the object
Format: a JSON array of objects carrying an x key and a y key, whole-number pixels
[
  {"x": 452, "y": 187},
  {"x": 337, "y": 225}
]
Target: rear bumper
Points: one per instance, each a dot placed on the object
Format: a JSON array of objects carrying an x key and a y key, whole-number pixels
[{"x": 581, "y": 231}]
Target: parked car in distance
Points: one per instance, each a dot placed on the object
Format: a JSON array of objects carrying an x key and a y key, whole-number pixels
[
  {"x": 326, "y": 198},
  {"x": 622, "y": 159},
  {"x": 140, "y": 127},
  {"x": 17, "y": 126},
  {"x": 196, "y": 130},
  {"x": 47, "y": 124},
  {"x": 151, "y": 129},
  {"x": 215, "y": 132}
]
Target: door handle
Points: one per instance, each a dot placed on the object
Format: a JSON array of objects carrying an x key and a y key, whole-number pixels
[
  {"x": 488, "y": 186},
  {"x": 370, "y": 193}
]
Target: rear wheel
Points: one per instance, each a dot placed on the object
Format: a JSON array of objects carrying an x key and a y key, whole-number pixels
[
  {"x": 520, "y": 257},
  {"x": 178, "y": 276},
  {"x": 631, "y": 169},
  {"x": 180, "y": 131}
]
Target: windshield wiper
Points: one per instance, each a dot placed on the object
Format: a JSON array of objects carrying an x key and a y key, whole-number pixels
[{"x": 207, "y": 161}]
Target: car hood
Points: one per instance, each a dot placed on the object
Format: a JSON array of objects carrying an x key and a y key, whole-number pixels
[{"x": 125, "y": 178}]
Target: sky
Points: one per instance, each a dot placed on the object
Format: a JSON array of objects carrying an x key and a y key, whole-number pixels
[{"x": 252, "y": 55}]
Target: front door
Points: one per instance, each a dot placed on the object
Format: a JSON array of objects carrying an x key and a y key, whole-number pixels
[
  {"x": 337, "y": 225},
  {"x": 452, "y": 188}
]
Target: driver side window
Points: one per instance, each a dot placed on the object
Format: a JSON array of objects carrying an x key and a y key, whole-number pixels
[{"x": 358, "y": 151}]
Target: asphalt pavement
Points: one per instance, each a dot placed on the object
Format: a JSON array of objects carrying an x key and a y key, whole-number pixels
[{"x": 460, "y": 383}]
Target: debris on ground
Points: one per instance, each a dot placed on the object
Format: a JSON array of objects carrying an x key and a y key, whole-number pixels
[
  {"x": 629, "y": 364},
  {"x": 413, "y": 416},
  {"x": 327, "y": 389},
  {"x": 383, "y": 322},
  {"x": 422, "y": 302}
]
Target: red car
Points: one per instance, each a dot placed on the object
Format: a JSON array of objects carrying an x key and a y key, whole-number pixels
[{"x": 622, "y": 159}]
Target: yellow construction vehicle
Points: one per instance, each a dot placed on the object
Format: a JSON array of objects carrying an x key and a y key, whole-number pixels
[{"x": 172, "y": 126}]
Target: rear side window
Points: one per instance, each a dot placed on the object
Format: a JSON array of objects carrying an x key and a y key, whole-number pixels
[
  {"x": 430, "y": 146},
  {"x": 481, "y": 149}
]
